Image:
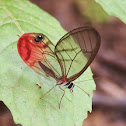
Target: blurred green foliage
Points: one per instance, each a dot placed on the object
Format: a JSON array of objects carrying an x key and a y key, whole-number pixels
[
  {"x": 115, "y": 8},
  {"x": 92, "y": 11}
]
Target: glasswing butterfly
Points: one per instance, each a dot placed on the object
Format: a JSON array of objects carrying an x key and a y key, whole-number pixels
[{"x": 66, "y": 60}]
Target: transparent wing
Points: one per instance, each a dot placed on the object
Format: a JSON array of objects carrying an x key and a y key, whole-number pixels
[
  {"x": 47, "y": 63},
  {"x": 76, "y": 50},
  {"x": 39, "y": 56}
]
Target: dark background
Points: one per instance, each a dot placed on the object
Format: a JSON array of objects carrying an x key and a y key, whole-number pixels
[{"x": 109, "y": 66}]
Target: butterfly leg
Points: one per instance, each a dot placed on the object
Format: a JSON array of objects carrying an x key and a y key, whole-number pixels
[
  {"x": 48, "y": 92},
  {"x": 83, "y": 90},
  {"x": 61, "y": 97}
]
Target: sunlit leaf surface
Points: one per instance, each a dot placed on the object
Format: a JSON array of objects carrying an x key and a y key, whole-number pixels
[{"x": 18, "y": 89}]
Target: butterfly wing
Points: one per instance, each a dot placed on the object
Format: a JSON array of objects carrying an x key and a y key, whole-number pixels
[
  {"x": 76, "y": 50},
  {"x": 38, "y": 54}
]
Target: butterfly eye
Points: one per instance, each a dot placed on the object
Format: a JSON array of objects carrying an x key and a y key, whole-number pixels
[{"x": 38, "y": 39}]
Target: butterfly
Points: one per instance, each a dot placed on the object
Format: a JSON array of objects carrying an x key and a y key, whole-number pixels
[{"x": 66, "y": 60}]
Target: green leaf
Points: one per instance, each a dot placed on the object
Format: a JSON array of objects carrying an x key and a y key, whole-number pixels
[
  {"x": 18, "y": 89},
  {"x": 115, "y": 8}
]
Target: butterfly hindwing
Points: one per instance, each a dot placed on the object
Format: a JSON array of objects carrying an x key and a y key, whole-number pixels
[{"x": 39, "y": 55}]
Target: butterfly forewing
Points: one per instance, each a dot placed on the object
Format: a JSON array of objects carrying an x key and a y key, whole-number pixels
[
  {"x": 76, "y": 50},
  {"x": 39, "y": 56}
]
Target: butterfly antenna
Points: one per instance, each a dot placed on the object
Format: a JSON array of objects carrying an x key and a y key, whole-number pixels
[
  {"x": 61, "y": 97},
  {"x": 48, "y": 92},
  {"x": 83, "y": 90}
]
